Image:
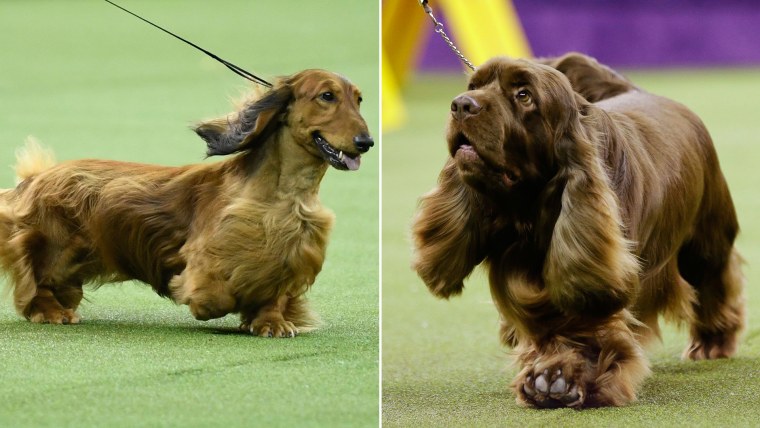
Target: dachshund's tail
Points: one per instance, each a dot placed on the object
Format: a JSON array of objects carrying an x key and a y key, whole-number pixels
[{"x": 32, "y": 159}]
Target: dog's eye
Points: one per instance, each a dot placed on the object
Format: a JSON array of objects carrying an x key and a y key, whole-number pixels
[
  {"x": 360, "y": 100},
  {"x": 524, "y": 96},
  {"x": 327, "y": 96},
  {"x": 471, "y": 87}
]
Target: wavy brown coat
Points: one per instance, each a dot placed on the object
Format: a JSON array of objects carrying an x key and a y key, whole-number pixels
[
  {"x": 595, "y": 207},
  {"x": 245, "y": 235}
]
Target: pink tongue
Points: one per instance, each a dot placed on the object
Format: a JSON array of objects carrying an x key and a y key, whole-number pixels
[{"x": 352, "y": 163}]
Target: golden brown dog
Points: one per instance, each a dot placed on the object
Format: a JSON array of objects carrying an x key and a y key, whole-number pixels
[
  {"x": 246, "y": 235},
  {"x": 596, "y": 207}
]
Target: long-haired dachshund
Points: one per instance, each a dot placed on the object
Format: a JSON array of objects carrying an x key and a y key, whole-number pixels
[
  {"x": 596, "y": 207},
  {"x": 246, "y": 235}
]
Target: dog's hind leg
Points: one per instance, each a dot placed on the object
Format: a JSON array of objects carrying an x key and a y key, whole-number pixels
[
  {"x": 61, "y": 270},
  {"x": 37, "y": 303},
  {"x": 711, "y": 264},
  {"x": 47, "y": 267},
  {"x": 69, "y": 296},
  {"x": 719, "y": 311},
  {"x": 46, "y": 308}
]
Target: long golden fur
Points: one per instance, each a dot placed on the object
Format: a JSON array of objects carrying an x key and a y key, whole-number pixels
[
  {"x": 246, "y": 235},
  {"x": 595, "y": 207}
]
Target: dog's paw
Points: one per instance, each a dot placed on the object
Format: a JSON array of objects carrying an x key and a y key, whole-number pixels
[
  {"x": 55, "y": 316},
  {"x": 710, "y": 347},
  {"x": 551, "y": 388},
  {"x": 270, "y": 328}
]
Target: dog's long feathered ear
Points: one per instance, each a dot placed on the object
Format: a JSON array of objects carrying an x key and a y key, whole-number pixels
[
  {"x": 449, "y": 234},
  {"x": 594, "y": 81},
  {"x": 252, "y": 124},
  {"x": 590, "y": 268}
]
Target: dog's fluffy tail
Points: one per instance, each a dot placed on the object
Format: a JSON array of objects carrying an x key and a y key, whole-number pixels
[{"x": 32, "y": 159}]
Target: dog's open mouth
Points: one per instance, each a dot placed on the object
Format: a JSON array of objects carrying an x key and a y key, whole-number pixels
[
  {"x": 463, "y": 151},
  {"x": 337, "y": 158}
]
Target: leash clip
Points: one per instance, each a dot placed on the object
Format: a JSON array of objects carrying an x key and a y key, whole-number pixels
[
  {"x": 438, "y": 28},
  {"x": 429, "y": 11}
]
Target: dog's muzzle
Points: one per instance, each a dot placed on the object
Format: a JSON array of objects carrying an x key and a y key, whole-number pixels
[
  {"x": 363, "y": 142},
  {"x": 337, "y": 158}
]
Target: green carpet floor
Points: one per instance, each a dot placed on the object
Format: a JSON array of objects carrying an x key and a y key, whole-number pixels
[
  {"x": 90, "y": 81},
  {"x": 442, "y": 363}
]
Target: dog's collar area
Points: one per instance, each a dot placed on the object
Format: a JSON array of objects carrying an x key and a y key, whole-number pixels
[{"x": 335, "y": 157}]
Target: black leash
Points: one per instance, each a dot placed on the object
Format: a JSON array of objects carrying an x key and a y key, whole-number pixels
[{"x": 235, "y": 69}]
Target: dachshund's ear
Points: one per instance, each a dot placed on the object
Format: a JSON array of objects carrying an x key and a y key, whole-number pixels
[
  {"x": 590, "y": 268},
  {"x": 252, "y": 124},
  {"x": 449, "y": 234}
]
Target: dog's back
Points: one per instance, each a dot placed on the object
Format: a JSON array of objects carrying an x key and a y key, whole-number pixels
[
  {"x": 114, "y": 219},
  {"x": 684, "y": 232}
]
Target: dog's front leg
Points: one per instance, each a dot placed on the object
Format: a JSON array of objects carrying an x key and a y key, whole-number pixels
[
  {"x": 592, "y": 365},
  {"x": 206, "y": 296},
  {"x": 269, "y": 320}
]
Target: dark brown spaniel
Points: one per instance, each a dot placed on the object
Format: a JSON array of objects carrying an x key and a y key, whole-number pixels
[{"x": 595, "y": 206}]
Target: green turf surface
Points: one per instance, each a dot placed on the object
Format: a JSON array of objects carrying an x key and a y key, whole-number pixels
[
  {"x": 442, "y": 363},
  {"x": 90, "y": 81}
]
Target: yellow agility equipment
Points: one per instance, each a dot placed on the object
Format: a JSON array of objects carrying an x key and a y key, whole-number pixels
[
  {"x": 403, "y": 26},
  {"x": 481, "y": 28},
  {"x": 393, "y": 109},
  {"x": 404, "y": 30},
  {"x": 486, "y": 28}
]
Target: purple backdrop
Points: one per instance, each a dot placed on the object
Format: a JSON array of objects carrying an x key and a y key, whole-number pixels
[{"x": 639, "y": 33}]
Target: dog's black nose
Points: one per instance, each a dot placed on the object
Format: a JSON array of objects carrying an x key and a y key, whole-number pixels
[
  {"x": 363, "y": 142},
  {"x": 463, "y": 106}
]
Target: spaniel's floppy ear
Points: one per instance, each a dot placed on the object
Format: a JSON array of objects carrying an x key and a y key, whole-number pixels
[
  {"x": 252, "y": 124},
  {"x": 449, "y": 234},
  {"x": 590, "y": 268},
  {"x": 594, "y": 81}
]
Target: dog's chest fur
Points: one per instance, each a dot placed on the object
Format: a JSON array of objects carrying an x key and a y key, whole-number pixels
[{"x": 276, "y": 245}]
